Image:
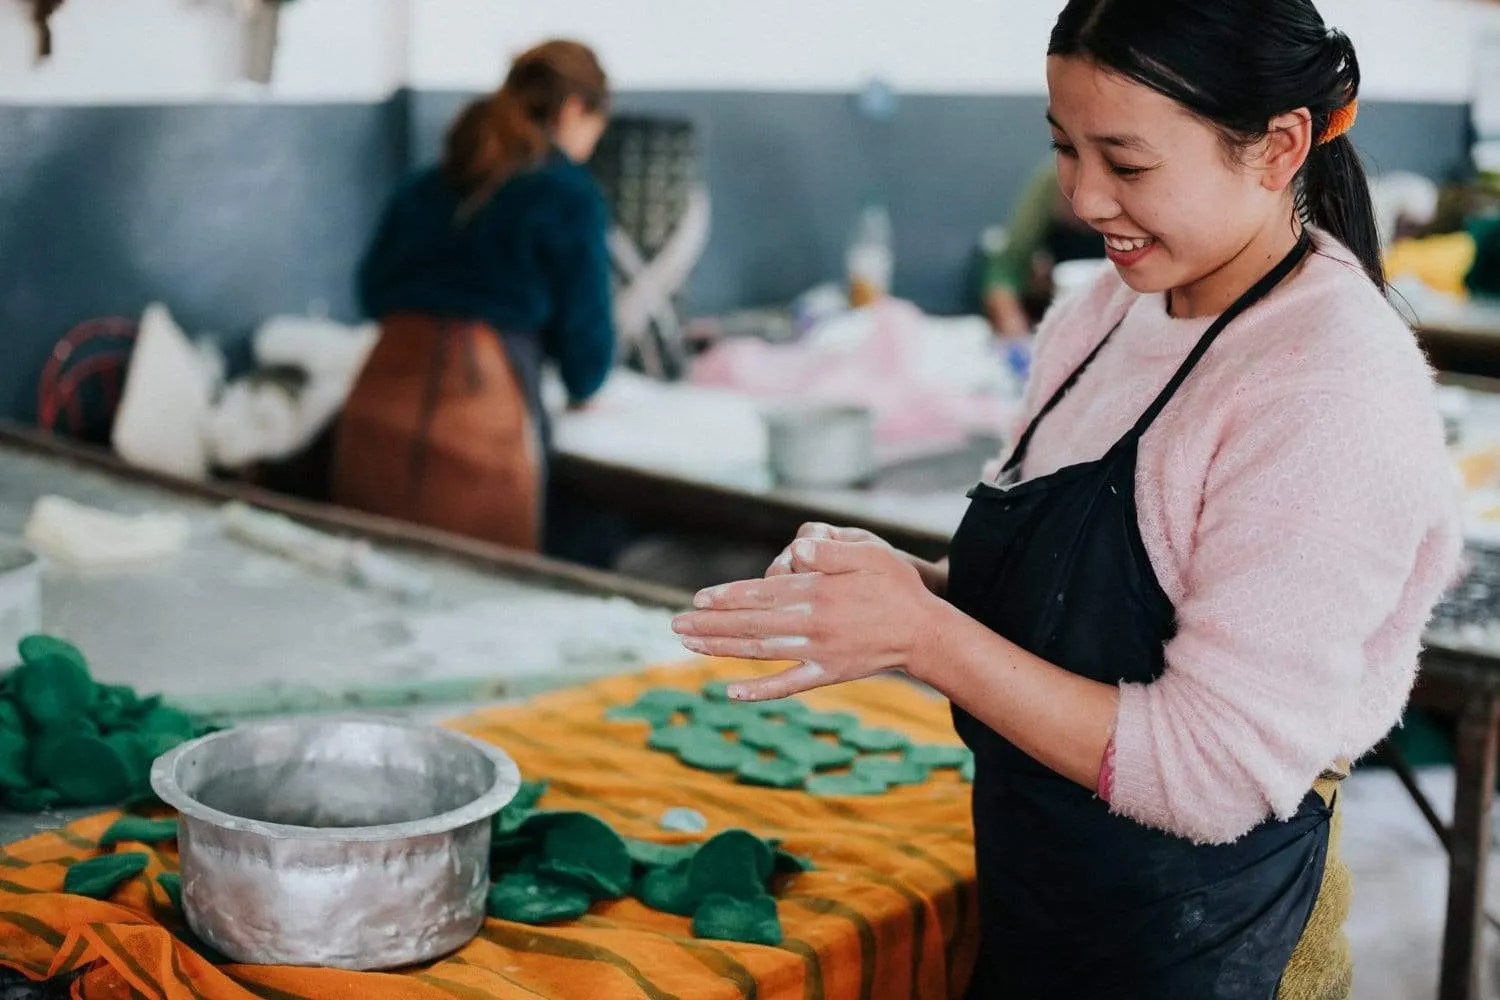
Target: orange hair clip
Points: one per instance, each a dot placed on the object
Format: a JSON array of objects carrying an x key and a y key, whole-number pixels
[{"x": 1340, "y": 122}]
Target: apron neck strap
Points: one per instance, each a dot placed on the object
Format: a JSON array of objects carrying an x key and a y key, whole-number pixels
[{"x": 1256, "y": 292}]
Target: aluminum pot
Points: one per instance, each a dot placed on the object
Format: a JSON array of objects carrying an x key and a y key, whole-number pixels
[
  {"x": 353, "y": 843},
  {"x": 828, "y": 446}
]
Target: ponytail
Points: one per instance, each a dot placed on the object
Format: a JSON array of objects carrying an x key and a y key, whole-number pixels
[
  {"x": 499, "y": 136},
  {"x": 1335, "y": 197}
]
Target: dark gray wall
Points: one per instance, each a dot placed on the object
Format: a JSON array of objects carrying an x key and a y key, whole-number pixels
[
  {"x": 789, "y": 172},
  {"x": 229, "y": 213}
]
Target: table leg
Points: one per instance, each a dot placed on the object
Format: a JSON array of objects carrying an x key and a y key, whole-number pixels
[{"x": 1469, "y": 846}]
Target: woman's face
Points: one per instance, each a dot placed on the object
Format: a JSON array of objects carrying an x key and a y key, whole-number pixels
[
  {"x": 578, "y": 130},
  {"x": 1179, "y": 211}
]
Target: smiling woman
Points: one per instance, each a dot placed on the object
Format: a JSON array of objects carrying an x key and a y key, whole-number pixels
[{"x": 1195, "y": 591}]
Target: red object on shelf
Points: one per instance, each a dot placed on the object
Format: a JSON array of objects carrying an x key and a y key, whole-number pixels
[{"x": 96, "y": 351}]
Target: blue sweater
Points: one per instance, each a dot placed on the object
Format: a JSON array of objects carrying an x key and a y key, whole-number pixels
[{"x": 532, "y": 263}]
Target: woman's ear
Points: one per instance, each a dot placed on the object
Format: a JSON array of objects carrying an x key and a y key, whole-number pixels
[{"x": 1287, "y": 145}]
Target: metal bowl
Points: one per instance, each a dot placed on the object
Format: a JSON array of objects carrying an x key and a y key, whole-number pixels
[
  {"x": 821, "y": 446},
  {"x": 350, "y": 843}
]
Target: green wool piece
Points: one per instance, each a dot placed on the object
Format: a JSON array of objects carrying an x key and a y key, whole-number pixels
[
  {"x": 724, "y": 918},
  {"x": 735, "y": 863},
  {"x": 778, "y": 772},
  {"x": 820, "y": 755},
  {"x": 829, "y": 722},
  {"x": 715, "y": 754},
  {"x": 13, "y": 755},
  {"x": 787, "y": 863},
  {"x": 598, "y": 886},
  {"x": 529, "y": 899},
  {"x": 721, "y": 715},
  {"x": 579, "y": 842},
  {"x": 167, "y": 720},
  {"x": 171, "y": 884},
  {"x": 669, "y": 698},
  {"x": 889, "y": 770},
  {"x": 53, "y": 691},
  {"x": 650, "y": 854},
  {"x": 10, "y": 717},
  {"x": 936, "y": 755},
  {"x": 83, "y": 769},
  {"x": 139, "y": 830},
  {"x": 763, "y": 734},
  {"x": 98, "y": 878},
  {"x": 31, "y": 800},
  {"x": 716, "y": 690},
  {"x": 966, "y": 770},
  {"x": 668, "y": 889},
  {"x": 37, "y": 648},
  {"x": 519, "y": 809},
  {"x": 843, "y": 784},
  {"x": 672, "y": 738},
  {"x": 789, "y": 709},
  {"x": 653, "y": 715},
  {"x": 875, "y": 740}
]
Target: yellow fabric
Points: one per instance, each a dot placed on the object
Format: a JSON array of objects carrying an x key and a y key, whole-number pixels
[
  {"x": 890, "y": 911},
  {"x": 1440, "y": 262},
  {"x": 1322, "y": 964}
]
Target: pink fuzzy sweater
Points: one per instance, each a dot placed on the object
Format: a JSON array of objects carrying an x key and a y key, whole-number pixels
[{"x": 1298, "y": 506}]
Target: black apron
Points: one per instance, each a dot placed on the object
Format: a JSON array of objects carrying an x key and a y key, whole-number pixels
[{"x": 1075, "y": 902}]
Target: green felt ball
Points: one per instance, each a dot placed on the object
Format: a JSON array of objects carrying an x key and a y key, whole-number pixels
[
  {"x": 672, "y": 699},
  {"x": 818, "y": 754},
  {"x": 875, "y": 740},
  {"x": 653, "y": 715},
  {"x": 735, "y": 863},
  {"x": 578, "y": 841},
  {"x": 672, "y": 738},
  {"x": 828, "y": 722},
  {"x": 139, "y": 830},
  {"x": 889, "y": 770},
  {"x": 763, "y": 734},
  {"x": 38, "y": 648},
  {"x": 715, "y": 754},
  {"x": 99, "y": 877},
  {"x": 668, "y": 889},
  {"x": 53, "y": 691},
  {"x": 751, "y": 921},
  {"x": 528, "y": 899},
  {"x": 721, "y": 715},
  {"x": 843, "y": 784},
  {"x": 937, "y": 755},
  {"x": 777, "y": 772},
  {"x": 171, "y": 884}
]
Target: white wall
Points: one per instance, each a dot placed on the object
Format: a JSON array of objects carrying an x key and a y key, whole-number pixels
[
  {"x": 131, "y": 51},
  {"x": 1409, "y": 49},
  {"x": 145, "y": 51}
]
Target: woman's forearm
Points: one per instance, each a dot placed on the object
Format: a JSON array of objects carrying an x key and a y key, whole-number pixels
[{"x": 1058, "y": 718}]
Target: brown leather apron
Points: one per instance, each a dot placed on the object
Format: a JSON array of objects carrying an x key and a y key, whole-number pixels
[{"x": 437, "y": 432}]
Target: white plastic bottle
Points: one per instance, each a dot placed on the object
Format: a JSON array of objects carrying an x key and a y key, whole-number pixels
[{"x": 871, "y": 257}]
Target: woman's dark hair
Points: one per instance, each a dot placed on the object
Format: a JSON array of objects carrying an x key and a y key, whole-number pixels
[
  {"x": 510, "y": 130},
  {"x": 1238, "y": 65}
]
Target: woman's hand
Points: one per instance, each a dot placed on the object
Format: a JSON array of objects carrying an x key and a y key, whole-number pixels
[
  {"x": 934, "y": 574},
  {"x": 845, "y": 609}
]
